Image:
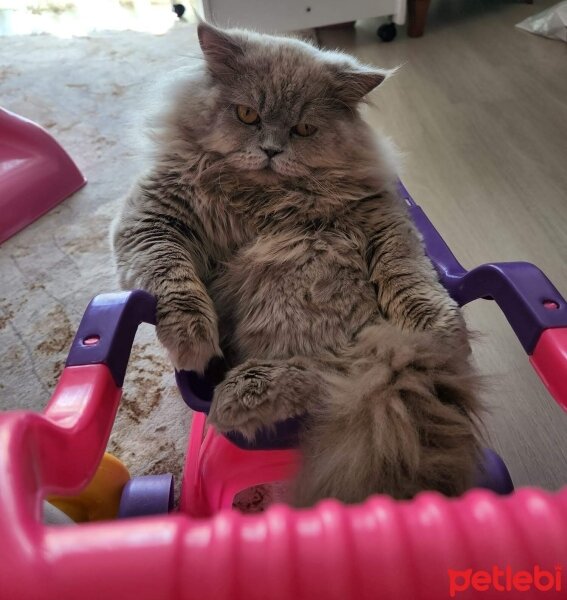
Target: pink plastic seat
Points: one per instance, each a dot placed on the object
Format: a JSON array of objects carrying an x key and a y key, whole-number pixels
[
  {"x": 216, "y": 470},
  {"x": 36, "y": 173}
]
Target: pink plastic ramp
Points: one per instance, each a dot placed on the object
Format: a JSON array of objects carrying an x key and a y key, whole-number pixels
[{"x": 36, "y": 173}]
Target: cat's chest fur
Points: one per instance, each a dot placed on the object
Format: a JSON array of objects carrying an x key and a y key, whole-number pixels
[{"x": 295, "y": 291}]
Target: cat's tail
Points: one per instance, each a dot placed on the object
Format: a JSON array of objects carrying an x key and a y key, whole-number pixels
[{"x": 402, "y": 421}]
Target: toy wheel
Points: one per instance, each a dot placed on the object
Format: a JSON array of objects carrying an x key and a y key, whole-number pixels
[
  {"x": 147, "y": 495},
  {"x": 387, "y": 32},
  {"x": 179, "y": 10},
  {"x": 493, "y": 474}
]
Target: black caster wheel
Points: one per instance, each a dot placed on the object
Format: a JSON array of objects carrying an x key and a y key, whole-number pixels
[
  {"x": 179, "y": 10},
  {"x": 387, "y": 32}
]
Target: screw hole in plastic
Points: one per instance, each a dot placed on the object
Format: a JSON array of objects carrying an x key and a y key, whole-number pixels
[
  {"x": 550, "y": 304},
  {"x": 91, "y": 340}
]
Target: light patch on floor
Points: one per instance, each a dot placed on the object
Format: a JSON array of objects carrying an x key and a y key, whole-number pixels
[{"x": 65, "y": 18}]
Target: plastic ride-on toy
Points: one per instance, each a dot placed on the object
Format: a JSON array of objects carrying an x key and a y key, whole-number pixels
[{"x": 381, "y": 548}]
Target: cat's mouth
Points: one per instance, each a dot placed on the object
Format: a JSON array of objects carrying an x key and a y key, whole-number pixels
[
  {"x": 270, "y": 167},
  {"x": 273, "y": 166},
  {"x": 268, "y": 172}
]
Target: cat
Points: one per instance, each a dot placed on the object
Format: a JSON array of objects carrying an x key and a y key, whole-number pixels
[{"x": 271, "y": 232}]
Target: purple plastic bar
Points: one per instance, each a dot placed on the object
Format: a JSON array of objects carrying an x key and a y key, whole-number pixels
[
  {"x": 529, "y": 301},
  {"x": 107, "y": 329},
  {"x": 449, "y": 269},
  {"x": 493, "y": 474}
]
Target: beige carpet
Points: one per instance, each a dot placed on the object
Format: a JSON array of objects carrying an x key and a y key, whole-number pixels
[{"x": 84, "y": 91}]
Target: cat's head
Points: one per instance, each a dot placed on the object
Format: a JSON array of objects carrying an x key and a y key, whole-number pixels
[{"x": 278, "y": 108}]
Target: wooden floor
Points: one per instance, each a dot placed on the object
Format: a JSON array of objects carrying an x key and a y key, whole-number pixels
[{"x": 480, "y": 110}]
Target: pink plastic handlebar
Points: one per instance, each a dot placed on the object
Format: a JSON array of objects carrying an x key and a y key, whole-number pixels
[
  {"x": 549, "y": 359},
  {"x": 380, "y": 549}
]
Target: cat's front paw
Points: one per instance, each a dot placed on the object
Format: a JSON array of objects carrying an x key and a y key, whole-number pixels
[
  {"x": 190, "y": 340},
  {"x": 237, "y": 404},
  {"x": 258, "y": 394}
]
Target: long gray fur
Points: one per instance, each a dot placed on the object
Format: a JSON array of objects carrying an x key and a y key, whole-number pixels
[{"x": 303, "y": 270}]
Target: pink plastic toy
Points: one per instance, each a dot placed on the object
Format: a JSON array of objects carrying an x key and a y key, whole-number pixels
[
  {"x": 216, "y": 470},
  {"x": 430, "y": 548},
  {"x": 35, "y": 173}
]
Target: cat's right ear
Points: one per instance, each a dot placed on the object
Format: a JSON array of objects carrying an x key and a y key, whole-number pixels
[
  {"x": 353, "y": 84},
  {"x": 221, "y": 50}
]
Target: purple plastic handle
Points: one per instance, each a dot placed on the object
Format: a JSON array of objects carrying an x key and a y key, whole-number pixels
[
  {"x": 107, "y": 330},
  {"x": 530, "y": 302}
]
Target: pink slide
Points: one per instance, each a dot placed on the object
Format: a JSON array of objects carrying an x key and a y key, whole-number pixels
[{"x": 36, "y": 173}]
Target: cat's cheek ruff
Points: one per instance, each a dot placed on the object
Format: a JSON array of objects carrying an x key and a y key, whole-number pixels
[{"x": 288, "y": 168}]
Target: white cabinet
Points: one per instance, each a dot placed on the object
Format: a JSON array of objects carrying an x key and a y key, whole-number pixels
[{"x": 271, "y": 16}]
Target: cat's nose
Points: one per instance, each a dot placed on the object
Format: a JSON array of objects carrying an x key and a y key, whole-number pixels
[{"x": 270, "y": 151}]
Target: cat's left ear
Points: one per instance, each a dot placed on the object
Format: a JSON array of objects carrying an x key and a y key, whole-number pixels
[
  {"x": 352, "y": 84},
  {"x": 221, "y": 50}
]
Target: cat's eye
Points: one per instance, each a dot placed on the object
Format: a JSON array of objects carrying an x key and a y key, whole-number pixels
[
  {"x": 247, "y": 115},
  {"x": 304, "y": 129}
]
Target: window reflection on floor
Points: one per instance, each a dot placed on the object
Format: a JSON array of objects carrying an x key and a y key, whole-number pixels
[{"x": 68, "y": 18}]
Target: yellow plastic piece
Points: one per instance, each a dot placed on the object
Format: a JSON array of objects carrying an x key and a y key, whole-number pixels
[{"x": 100, "y": 500}]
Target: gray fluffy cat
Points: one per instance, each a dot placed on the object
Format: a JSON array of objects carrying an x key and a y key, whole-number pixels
[{"x": 270, "y": 231}]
